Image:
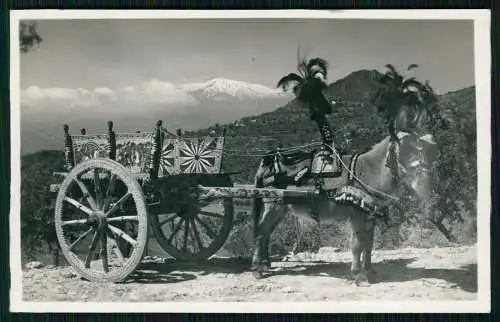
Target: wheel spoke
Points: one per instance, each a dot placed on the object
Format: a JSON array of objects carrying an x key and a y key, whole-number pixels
[
  {"x": 92, "y": 248},
  {"x": 196, "y": 234},
  {"x": 209, "y": 231},
  {"x": 86, "y": 194},
  {"x": 119, "y": 203},
  {"x": 191, "y": 234},
  {"x": 120, "y": 233},
  {"x": 116, "y": 249},
  {"x": 109, "y": 192},
  {"x": 186, "y": 232},
  {"x": 82, "y": 236},
  {"x": 78, "y": 205},
  {"x": 211, "y": 214},
  {"x": 123, "y": 218},
  {"x": 97, "y": 188},
  {"x": 104, "y": 251},
  {"x": 176, "y": 230},
  {"x": 170, "y": 218},
  {"x": 73, "y": 222},
  {"x": 111, "y": 185}
]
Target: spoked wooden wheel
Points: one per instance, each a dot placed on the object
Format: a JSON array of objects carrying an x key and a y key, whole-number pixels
[
  {"x": 195, "y": 230},
  {"x": 101, "y": 220}
]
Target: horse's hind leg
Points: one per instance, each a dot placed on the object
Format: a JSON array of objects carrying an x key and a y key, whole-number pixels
[
  {"x": 260, "y": 235},
  {"x": 271, "y": 215},
  {"x": 279, "y": 214}
]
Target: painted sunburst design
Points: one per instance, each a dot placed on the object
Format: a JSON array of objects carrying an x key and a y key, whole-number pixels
[
  {"x": 198, "y": 155},
  {"x": 167, "y": 158}
]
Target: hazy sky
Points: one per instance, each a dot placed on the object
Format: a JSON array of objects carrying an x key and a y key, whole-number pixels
[{"x": 118, "y": 53}]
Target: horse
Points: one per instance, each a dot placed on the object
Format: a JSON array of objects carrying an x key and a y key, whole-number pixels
[{"x": 391, "y": 168}]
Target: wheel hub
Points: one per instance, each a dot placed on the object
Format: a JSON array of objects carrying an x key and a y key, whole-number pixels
[
  {"x": 97, "y": 219},
  {"x": 188, "y": 211}
]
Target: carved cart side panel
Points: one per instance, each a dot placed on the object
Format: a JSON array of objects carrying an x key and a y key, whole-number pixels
[
  {"x": 137, "y": 152},
  {"x": 89, "y": 147},
  {"x": 133, "y": 150},
  {"x": 195, "y": 155}
]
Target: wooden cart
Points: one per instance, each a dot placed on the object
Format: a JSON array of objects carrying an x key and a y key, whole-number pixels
[{"x": 118, "y": 186}]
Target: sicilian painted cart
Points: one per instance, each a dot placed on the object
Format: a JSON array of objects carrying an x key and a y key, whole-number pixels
[{"x": 120, "y": 186}]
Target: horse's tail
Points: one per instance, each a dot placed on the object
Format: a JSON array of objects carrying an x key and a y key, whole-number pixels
[{"x": 258, "y": 203}]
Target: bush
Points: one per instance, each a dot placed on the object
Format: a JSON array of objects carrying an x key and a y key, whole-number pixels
[{"x": 37, "y": 217}]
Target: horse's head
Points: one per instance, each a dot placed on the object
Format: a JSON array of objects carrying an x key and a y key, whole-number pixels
[{"x": 416, "y": 153}]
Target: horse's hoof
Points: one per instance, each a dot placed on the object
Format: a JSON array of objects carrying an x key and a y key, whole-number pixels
[
  {"x": 352, "y": 275},
  {"x": 261, "y": 270},
  {"x": 288, "y": 257},
  {"x": 259, "y": 274},
  {"x": 261, "y": 266},
  {"x": 361, "y": 280}
]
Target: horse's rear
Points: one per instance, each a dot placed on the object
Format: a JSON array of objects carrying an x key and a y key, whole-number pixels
[{"x": 267, "y": 213}]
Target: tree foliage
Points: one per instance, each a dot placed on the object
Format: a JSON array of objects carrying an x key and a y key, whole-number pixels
[
  {"x": 455, "y": 172},
  {"x": 29, "y": 39},
  {"x": 37, "y": 217}
]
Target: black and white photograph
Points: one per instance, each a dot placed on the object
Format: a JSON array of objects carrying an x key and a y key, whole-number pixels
[{"x": 250, "y": 161}]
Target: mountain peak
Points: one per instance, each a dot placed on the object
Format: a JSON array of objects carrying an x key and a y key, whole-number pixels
[
  {"x": 220, "y": 87},
  {"x": 363, "y": 75}
]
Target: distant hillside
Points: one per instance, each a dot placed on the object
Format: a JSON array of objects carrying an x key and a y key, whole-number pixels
[
  {"x": 354, "y": 123},
  {"x": 36, "y": 176}
]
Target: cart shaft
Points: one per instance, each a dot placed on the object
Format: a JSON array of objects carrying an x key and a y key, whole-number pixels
[{"x": 249, "y": 192}]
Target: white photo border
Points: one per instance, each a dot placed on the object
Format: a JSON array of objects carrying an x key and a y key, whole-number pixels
[{"x": 482, "y": 50}]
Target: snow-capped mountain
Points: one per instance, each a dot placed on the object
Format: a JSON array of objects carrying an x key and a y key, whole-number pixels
[
  {"x": 219, "y": 88},
  {"x": 137, "y": 107}
]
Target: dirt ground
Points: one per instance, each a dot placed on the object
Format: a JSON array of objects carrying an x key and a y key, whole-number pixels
[{"x": 405, "y": 274}]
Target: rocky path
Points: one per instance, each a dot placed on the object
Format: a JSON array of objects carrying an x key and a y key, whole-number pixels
[{"x": 405, "y": 274}]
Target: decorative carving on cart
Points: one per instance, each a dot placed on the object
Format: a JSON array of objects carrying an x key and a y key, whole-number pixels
[
  {"x": 191, "y": 155},
  {"x": 178, "y": 154},
  {"x": 87, "y": 147},
  {"x": 249, "y": 192},
  {"x": 133, "y": 150}
]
